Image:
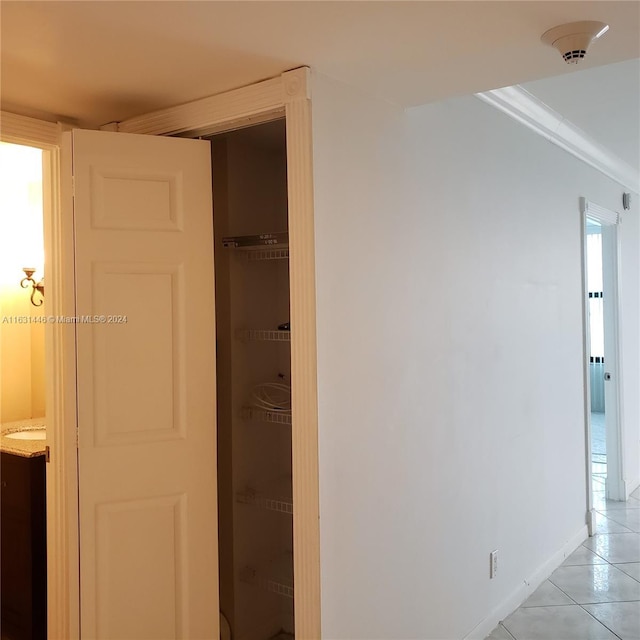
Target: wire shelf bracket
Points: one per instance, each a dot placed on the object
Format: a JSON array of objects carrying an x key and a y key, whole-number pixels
[
  {"x": 270, "y": 502},
  {"x": 260, "y": 415},
  {"x": 263, "y": 335},
  {"x": 275, "y": 578}
]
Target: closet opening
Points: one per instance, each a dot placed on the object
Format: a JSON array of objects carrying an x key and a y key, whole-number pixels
[{"x": 255, "y": 505}]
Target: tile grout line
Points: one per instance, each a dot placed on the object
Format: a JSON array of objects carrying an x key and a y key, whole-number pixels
[
  {"x": 507, "y": 630},
  {"x": 611, "y": 564},
  {"x": 625, "y": 573},
  {"x": 562, "y": 590},
  {"x": 624, "y": 526},
  {"x": 600, "y": 621}
]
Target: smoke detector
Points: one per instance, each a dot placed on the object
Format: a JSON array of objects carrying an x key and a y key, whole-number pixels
[{"x": 572, "y": 40}]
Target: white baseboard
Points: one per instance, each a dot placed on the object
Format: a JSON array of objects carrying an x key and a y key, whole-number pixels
[{"x": 510, "y": 604}]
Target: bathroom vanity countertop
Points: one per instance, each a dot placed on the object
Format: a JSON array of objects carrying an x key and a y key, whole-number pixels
[{"x": 24, "y": 448}]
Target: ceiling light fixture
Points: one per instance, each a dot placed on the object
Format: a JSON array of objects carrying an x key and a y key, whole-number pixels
[{"x": 572, "y": 40}]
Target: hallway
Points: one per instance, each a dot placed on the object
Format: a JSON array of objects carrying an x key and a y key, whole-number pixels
[{"x": 595, "y": 593}]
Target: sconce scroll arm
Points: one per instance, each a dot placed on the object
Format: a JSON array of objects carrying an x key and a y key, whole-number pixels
[{"x": 37, "y": 286}]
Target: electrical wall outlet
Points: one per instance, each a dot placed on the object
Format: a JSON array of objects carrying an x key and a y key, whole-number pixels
[{"x": 493, "y": 564}]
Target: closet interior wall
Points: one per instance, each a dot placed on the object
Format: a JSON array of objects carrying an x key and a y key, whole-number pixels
[{"x": 254, "y": 453}]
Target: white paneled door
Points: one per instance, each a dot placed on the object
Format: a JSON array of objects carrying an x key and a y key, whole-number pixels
[{"x": 146, "y": 387}]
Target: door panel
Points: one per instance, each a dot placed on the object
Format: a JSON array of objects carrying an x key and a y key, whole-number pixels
[
  {"x": 146, "y": 387},
  {"x": 139, "y": 544},
  {"x": 155, "y": 360}
]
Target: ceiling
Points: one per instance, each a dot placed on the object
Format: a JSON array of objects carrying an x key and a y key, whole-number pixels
[{"x": 96, "y": 62}]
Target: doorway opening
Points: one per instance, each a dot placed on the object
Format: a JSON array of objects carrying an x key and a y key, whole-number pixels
[
  {"x": 23, "y": 515},
  {"x": 21, "y": 246},
  {"x": 596, "y": 355},
  {"x": 254, "y": 420},
  {"x": 602, "y": 351}
]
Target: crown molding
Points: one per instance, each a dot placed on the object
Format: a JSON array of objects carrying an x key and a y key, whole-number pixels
[{"x": 525, "y": 108}]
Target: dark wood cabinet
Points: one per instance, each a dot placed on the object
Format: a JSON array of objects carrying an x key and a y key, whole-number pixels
[{"x": 23, "y": 561}]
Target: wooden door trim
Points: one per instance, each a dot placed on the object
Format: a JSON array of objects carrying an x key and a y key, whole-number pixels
[
  {"x": 306, "y": 513},
  {"x": 30, "y": 132},
  {"x": 223, "y": 112},
  {"x": 288, "y": 95},
  {"x": 63, "y": 609}
]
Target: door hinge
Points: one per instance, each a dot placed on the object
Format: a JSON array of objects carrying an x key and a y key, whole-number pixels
[{"x": 47, "y": 454}]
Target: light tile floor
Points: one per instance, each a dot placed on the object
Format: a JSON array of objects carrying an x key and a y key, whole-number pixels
[{"x": 595, "y": 594}]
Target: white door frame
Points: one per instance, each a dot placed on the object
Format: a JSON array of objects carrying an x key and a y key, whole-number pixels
[
  {"x": 287, "y": 95},
  {"x": 62, "y": 512},
  {"x": 609, "y": 220}
]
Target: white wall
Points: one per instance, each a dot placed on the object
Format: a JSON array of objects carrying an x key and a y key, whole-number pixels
[{"x": 450, "y": 360}]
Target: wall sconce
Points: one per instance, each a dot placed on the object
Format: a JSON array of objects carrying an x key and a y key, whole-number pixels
[{"x": 37, "y": 286}]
